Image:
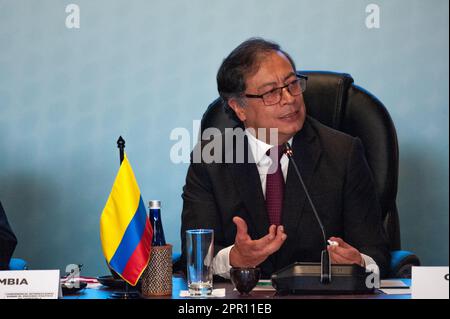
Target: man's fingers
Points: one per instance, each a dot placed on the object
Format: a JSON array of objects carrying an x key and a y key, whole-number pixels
[
  {"x": 346, "y": 255},
  {"x": 253, "y": 252},
  {"x": 340, "y": 241},
  {"x": 264, "y": 241},
  {"x": 272, "y": 241},
  {"x": 276, "y": 243},
  {"x": 242, "y": 229},
  {"x": 338, "y": 259},
  {"x": 272, "y": 231},
  {"x": 266, "y": 245},
  {"x": 343, "y": 252},
  {"x": 335, "y": 259},
  {"x": 280, "y": 233}
]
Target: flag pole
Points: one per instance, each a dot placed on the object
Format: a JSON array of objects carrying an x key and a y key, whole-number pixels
[
  {"x": 126, "y": 294},
  {"x": 121, "y": 146}
]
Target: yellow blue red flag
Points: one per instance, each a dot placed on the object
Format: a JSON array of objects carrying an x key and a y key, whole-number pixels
[{"x": 125, "y": 230}]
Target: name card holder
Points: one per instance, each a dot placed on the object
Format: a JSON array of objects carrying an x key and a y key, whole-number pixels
[
  {"x": 30, "y": 284},
  {"x": 429, "y": 282}
]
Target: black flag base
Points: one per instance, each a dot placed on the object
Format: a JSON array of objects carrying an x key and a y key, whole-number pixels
[{"x": 125, "y": 294}]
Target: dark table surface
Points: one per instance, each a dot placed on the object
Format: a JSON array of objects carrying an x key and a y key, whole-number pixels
[{"x": 179, "y": 283}]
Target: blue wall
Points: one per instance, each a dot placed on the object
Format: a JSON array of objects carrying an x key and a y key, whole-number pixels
[{"x": 142, "y": 68}]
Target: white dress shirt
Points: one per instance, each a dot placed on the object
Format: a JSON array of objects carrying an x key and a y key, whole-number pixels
[{"x": 221, "y": 263}]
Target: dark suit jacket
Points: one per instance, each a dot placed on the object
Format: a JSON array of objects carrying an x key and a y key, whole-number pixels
[
  {"x": 339, "y": 181},
  {"x": 7, "y": 240}
]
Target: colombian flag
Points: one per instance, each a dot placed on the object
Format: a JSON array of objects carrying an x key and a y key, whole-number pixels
[{"x": 125, "y": 230}]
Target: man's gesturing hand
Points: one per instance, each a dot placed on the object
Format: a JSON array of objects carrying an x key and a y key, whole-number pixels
[{"x": 250, "y": 253}]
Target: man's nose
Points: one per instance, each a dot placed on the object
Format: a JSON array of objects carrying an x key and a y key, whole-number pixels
[{"x": 286, "y": 96}]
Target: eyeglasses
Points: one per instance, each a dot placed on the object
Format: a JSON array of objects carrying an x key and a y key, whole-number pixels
[{"x": 272, "y": 97}]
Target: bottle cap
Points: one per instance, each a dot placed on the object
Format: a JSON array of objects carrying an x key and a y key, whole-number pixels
[{"x": 154, "y": 204}]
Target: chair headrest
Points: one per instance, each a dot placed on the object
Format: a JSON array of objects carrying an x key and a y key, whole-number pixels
[{"x": 326, "y": 95}]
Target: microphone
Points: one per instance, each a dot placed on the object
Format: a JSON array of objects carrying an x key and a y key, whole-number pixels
[{"x": 325, "y": 263}]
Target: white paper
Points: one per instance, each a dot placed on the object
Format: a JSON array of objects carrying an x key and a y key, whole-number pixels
[
  {"x": 94, "y": 286},
  {"x": 29, "y": 284},
  {"x": 392, "y": 283},
  {"x": 263, "y": 285},
  {"x": 393, "y": 291},
  {"x": 215, "y": 293}
]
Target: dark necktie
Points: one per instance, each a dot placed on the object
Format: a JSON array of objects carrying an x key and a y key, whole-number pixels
[{"x": 275, "y": 186}]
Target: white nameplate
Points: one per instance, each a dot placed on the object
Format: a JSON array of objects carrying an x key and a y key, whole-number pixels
[
  {"x": 29, "y": 284},
  {"x": 429, "y": 282}
]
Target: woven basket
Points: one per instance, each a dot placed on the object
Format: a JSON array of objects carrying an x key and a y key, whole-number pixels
[{"x": 157, "y": 277}]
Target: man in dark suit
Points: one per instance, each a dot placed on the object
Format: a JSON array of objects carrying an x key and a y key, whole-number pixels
[
  {"x": 257, "y": 207},
  {"x": 7, "y": 240}
]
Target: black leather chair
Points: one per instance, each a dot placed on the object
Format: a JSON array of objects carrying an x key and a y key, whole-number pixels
[{"x": 334, "y": 100}]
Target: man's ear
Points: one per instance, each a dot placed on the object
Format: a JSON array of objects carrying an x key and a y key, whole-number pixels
[{"x": 237, "y": 108}]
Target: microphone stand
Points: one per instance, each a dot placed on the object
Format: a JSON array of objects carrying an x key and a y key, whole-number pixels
[
  {"x": 311, "y": 277},
  {"x": 325, "y": 262}
]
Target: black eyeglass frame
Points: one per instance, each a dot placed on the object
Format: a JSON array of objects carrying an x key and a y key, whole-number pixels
[{"x": 299, "y": 78}]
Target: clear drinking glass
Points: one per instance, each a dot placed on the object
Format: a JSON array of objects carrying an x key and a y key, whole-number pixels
[{"x": 200, "y": 251}]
